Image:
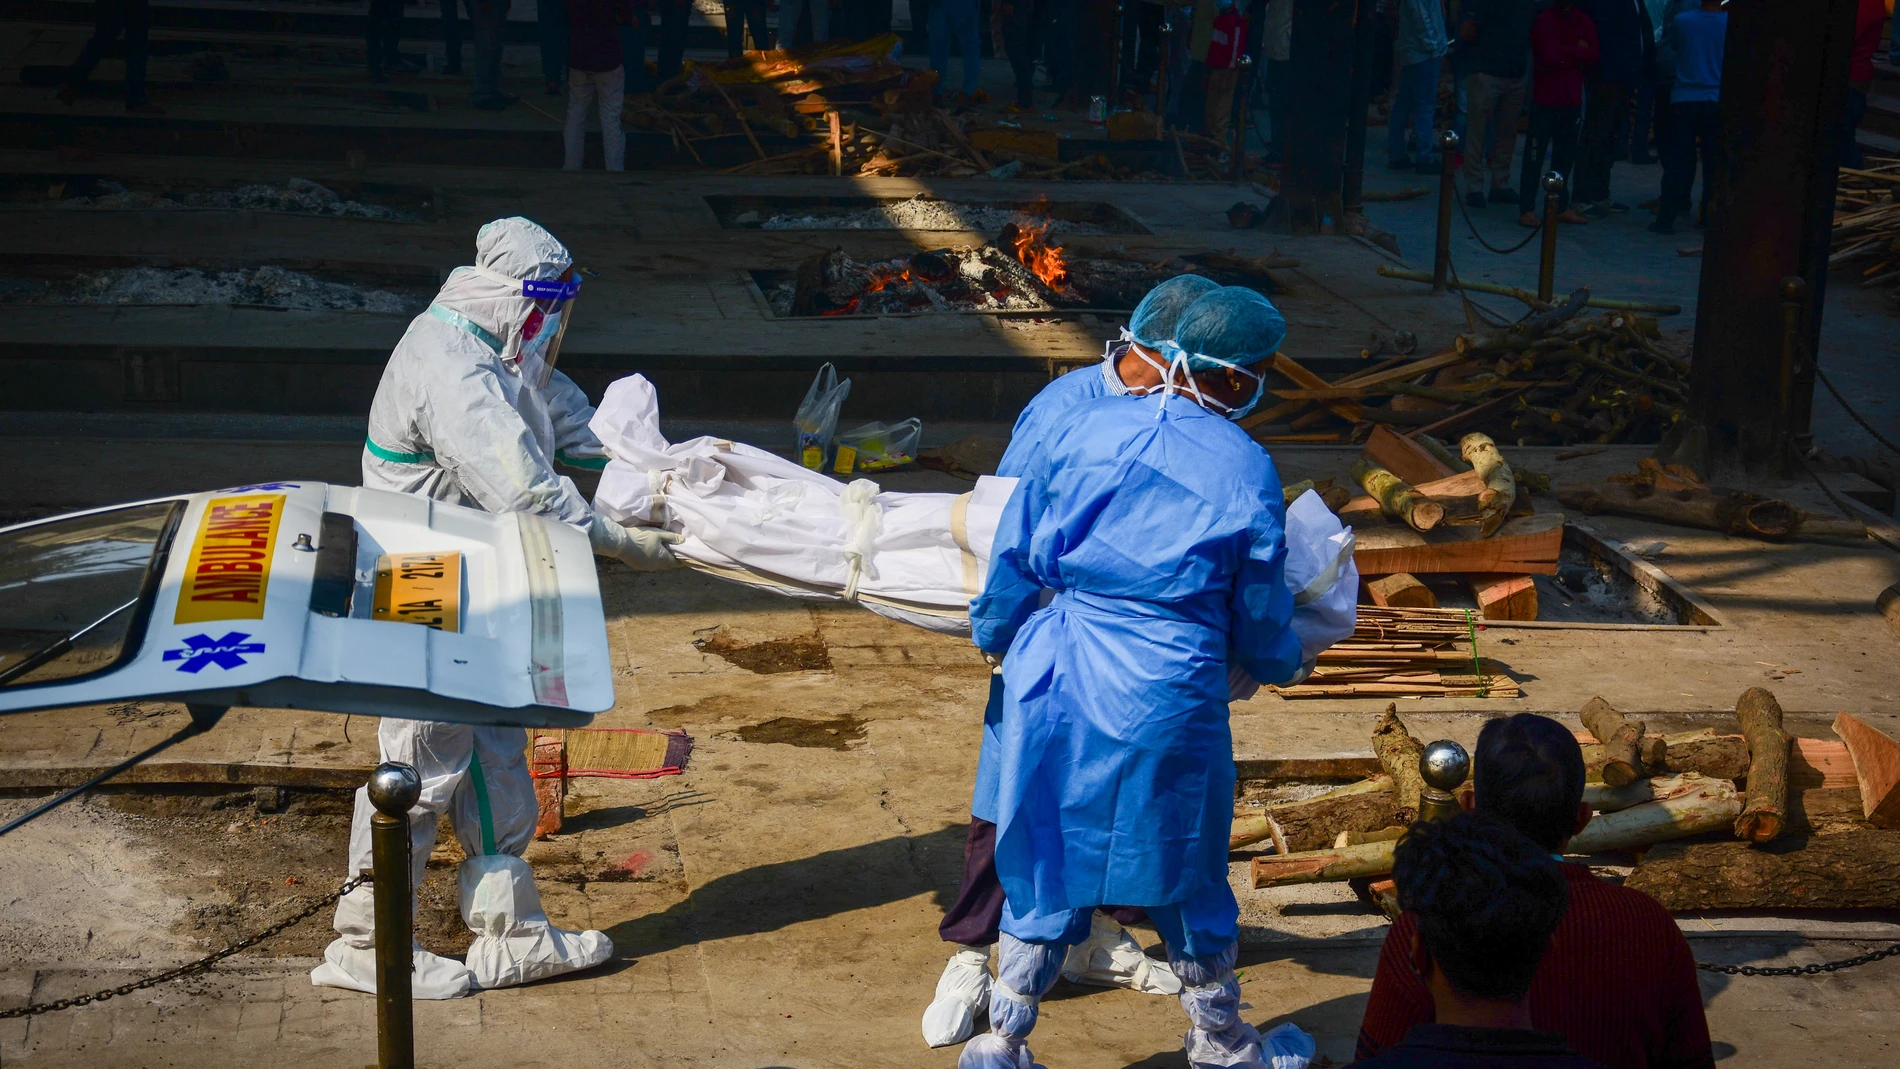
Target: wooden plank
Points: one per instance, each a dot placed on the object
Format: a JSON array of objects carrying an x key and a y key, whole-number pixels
[
  {"x": 1504, "y": 597},
  {"x": 1405, "y": 458},
  {"x": 1293, "y": 370},
  {"x": 1401, "y": 591},
  {"x": 1876, "y": 769},
  {"x": 1820, "y": 763},
  {"x": 1362, "y": 511},
  {"x": 1525, "y": 545}
]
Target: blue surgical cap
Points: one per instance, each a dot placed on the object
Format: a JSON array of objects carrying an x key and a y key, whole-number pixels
[
  {"x": 1232, "y": 323},
  {"x": 1155, "y": 317}
]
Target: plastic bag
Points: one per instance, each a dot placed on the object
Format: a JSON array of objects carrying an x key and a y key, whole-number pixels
[
  {"x": 878, "y": 446},
  {"x": 1321, "y": 574},
  {"x": 817, "y": 418}
]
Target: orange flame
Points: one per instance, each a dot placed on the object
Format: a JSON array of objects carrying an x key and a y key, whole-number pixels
[
  {"x": 882, "y": 276},
  {"x": 1031, "y": 245}
]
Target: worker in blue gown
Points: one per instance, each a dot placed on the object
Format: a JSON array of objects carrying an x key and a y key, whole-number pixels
[
  {"x": 1109, "y": 956},
  {"x": 1160, "y": 526}
]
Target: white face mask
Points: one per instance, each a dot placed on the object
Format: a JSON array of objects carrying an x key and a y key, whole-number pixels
[{"x": 1178, "y": 359}]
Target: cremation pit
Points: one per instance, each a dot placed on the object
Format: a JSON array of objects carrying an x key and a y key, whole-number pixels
[
  {"x": 922, "y": 212},
  {"x": 134, "y": 281},
  {"x": 375, "y": 201}
]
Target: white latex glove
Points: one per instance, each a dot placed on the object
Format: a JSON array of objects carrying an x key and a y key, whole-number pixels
[{"x": 644, "y": 549}]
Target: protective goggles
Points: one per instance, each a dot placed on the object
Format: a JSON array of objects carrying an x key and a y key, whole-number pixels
[{"x": 1184, "y": 382}]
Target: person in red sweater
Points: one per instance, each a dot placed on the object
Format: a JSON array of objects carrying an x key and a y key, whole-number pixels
[
  {"x": 1860, "y": 76},
  {"x": 1618, "y": 981},
  {"x": 1563, "y": 47}
]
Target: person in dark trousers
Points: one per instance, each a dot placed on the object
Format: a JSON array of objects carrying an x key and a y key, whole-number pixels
[
  {"x": 488, "y": 17},
  {"x": 742, "y": 15},
  {"x": 1141, "y": 45},
  {"x": 550, "y": 17},
  {"x": 1563, "y": 45},
  {"x": 1420, "y": 46},
  {"x": 1528, "y": 772},
  {"x": 1494, "y": 36},
  {"x": 1018, "y": 19},
  {"x": 383, "y": 37},
  {"x": 452, "y": 36},
  {"x": 633, "y": 48},
  {"x": 1695, "y": 113},
  {"x": 1483, "y": 901},
  {"x": 674, "y": 15},
  {"x": 1056, "y": 35},
  {"x": 110, "y": 19},
  {"x": 1624, "y": 46}
]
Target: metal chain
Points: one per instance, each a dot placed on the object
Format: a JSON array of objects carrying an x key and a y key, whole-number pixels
[
  {"x": 203, "y": 964},
  {"x": 1800, "y": 970},
  {"x": 1459, "y": 197},
  {"x": 1864, "y": 425}
]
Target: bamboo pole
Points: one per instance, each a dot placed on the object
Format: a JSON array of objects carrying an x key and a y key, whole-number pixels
[{"x": 1649, "y": 307}]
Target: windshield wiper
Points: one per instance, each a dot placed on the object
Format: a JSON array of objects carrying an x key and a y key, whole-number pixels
[{"x": 57, "y": 648}]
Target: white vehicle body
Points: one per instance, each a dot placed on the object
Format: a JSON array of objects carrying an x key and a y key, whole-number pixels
[{"x": 267, "y": 595}]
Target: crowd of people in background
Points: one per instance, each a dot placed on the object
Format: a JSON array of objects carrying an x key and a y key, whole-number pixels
[{"x": 1594, "y": 82}]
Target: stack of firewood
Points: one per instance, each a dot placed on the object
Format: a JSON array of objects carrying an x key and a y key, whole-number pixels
[
  {"x": 1406, "y": 652},
  {"x": 1695, "y": 809},
  {"x": 1867, "y": 222},
  {"x": 1556, "y": 377}
]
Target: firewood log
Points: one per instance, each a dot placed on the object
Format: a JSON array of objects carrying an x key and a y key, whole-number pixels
[
  {"x": 1735, "y": 512},
  {"x": 1397, "y": 497},
  {"x": 1398, "y": 754},
  {"x": 1766, "y": 806},
  {"x": 1701, "y": 805},
  {"x": 1620, "y": 738},
  {"x": 1607, "y": 799},
  {"x": 1482, "y": 454},
  {"x": 1367, "y": 805},
  {"x": 1851, "y": 870}
]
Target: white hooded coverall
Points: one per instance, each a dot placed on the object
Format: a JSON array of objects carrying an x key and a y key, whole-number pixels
[{"x": 454, "y": 419}]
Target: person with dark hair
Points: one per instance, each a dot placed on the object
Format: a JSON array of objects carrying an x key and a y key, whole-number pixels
[
  {"x": 1484, "y": 900},
  {"x": 1528, "y": 772}
]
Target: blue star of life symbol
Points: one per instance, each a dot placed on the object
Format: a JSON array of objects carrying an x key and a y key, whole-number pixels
[
  {"x": 227, "y": 652},
  {"x": 261, "y": 486}
]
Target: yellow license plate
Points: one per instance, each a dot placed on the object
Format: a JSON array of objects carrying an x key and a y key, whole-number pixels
[{"x": 420, "y": 588}]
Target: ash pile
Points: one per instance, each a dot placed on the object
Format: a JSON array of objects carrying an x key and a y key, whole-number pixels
[
  {"x": 297, "y": 195},
  {"x": 922, "y": 212},
  {"x": 268, "y": 287}
]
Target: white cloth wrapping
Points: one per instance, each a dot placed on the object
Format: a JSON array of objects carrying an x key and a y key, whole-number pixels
[{"x": 758, "y": 518}]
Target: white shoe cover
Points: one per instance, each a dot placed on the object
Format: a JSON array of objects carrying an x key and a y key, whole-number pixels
[
  {"x": 354, "y": 968},
  {"x": 514, "y": 943},
  {"x": 991, "y": 1051},
  {"x": 963, "y": 988},
  {"x": 1110, "y": 957}
]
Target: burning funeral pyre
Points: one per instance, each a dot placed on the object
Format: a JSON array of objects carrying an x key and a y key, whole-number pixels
[{"x": 1023, "y": 270}]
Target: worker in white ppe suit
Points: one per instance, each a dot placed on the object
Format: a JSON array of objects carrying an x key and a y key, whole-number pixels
[{"x": 470, "y": 410}]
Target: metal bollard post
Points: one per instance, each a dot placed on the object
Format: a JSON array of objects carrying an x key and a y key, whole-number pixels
[
  {"x": 1447, "y": 192},
  {"x": 1794, "y": 299},
  {"x": 1444, "y": 766},
  {"x": 1547, "y": 257},
  {"x": 1161, "y": 79},
  {"x": 1243, "y": 88},
  {"x": 393, "y": 790}
]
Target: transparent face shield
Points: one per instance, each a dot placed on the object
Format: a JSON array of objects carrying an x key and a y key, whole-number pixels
[{"x": 547, "y": 322}]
